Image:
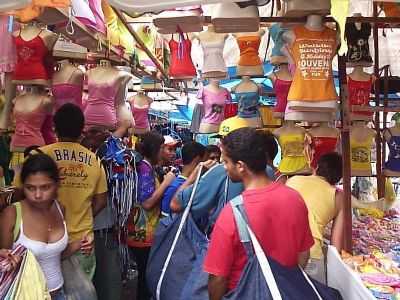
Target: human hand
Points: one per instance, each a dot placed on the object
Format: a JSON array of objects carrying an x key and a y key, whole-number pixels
[
  {"x": 87, "y": 244},
  {"x": 13, "y": 260},
  {"x": 169, "y": 178}
]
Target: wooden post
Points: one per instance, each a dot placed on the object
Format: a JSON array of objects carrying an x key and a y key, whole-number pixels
[
  {"x": 345, "y": 139},
  {"x": 378, "y": 139}
]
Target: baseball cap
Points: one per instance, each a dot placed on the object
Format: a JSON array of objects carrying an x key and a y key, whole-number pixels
[
  {"x": 230, "y": 125},
  {"x": 170, "y": 141}
]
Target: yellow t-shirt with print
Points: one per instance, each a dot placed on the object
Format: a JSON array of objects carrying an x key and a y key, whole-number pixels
[{"x": 82, "y": 177}]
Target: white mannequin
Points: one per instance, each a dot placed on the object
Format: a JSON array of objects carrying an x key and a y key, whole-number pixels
[
  {"x": 314, "y": 23},
  {"x": 248, "y": 86},
  {"x": 140, "y": 101},
  {"x": 49, "y": 38},
  {"x": 358, "y": 74},
  {"x": 207, "y": 128},
  {"x": 250, "y": 70},
  {"x": 359, "y": 133},
  {"x": 68, "y": 73},
  {"x": 209, "y": 36}
]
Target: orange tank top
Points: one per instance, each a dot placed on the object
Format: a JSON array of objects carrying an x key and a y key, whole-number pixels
[
  {"x": 312, "y": 52},
  {"x": 248, "y": 46}
]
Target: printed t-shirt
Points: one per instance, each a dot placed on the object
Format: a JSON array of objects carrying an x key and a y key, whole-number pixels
[
  {"x": 141, "y": 223},
  {"x": 279, "y": 219},
  {"x": 81, "y": 177},
  {"x": 169, "y": 193}
]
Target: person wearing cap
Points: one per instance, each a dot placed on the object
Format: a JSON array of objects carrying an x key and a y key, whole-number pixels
[
  {"x": 167, "y": 157},
  {"x": 214, "y": 186}
]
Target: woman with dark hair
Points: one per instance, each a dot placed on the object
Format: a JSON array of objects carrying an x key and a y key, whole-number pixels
[
  {"x": 146, "y": 213},
  {"x": 37, "y": 222}
]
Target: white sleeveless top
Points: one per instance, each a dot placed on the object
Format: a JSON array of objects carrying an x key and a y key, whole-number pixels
[{"x": 47, "y": 255}]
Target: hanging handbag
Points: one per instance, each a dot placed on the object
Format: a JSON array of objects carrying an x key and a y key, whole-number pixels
[{"x": 265, "y": 279}]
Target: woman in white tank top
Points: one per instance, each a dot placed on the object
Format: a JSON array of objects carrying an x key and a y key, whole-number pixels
[{"x": 37, "y": 222}]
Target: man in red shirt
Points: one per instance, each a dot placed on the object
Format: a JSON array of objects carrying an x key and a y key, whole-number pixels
[{"x": 277, "y": 215}]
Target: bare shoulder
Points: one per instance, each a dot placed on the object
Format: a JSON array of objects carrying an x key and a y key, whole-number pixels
[{"x": 7, "y": 216}]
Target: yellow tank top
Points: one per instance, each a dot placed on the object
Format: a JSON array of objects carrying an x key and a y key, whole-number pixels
[
  {"x": 361, "y": 154},
  {"x": 313, "y": 52},
  {"x": 319, "y": 197},
  {"x": 293, "y": 153}
]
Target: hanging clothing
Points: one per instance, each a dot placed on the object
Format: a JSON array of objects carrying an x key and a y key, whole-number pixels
[
  {"x": 393, "y": 162},
  {"x": 248, "y": 103},
  {"x": 276, "y": 32},
  {"x": 319, "y": 197},
  {"x": 28, "y": 127},
  {"x": 197, "y": 116},
  {"x": 95, "y": 7},
  {"x": 214, "y": 104},
  {"x": 249, "y": 46},
  {"x": 100, "y": 108},
  {"x": 48, "y": 255},
  {"x": 8, "y": 57},
  {"x": 281, "y": 88},
  {"x": 313, "y": 52},
  {"x": 358, "y": 45},
  {"x": 321, "y": 145},
  {"x": 31, "y": 58},
  {"x": 213, "y": 56},
  {"x": 359, "y": 94},
  {"x": 67, "y": 93},
  {"x": 181, "y": 61},
  {"x": 361, "y": 154},
  {"x": 293, "y": 153}
]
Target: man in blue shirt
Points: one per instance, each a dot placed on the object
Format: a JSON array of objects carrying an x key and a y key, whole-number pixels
[
  {"x": 215, "y": 188},
  {"x": 192, "y": 154}
]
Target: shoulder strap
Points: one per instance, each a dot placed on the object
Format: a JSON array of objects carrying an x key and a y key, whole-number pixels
[
  {"x": 18, "y": 219},
  {"x": 241, "y": 223}
]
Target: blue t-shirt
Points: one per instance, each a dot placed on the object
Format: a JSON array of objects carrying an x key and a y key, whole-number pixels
[
  {"x": 169, "y": 193},
  {"x": 210, "y": 193}
]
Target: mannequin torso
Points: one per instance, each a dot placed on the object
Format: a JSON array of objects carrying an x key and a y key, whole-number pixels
[
  {"x": 33, "y": 46},
  {"x": 213, "y": 46},
  {"x": 361, "y": 142},
  {"x": 30, "y": 112},
  {"x": 249, "y": 62},
  {"x": 140, "y": 105},
  {"x": 359, "y": 86},
  {"x": 214, "y": 98},
  {"x": 313, "y": 87},
  {"x": 247, "y": 94},
  {"x": 67, "y": 85}
]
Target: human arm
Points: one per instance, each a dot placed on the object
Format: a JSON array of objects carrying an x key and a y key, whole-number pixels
[
  {"x": 157, "y": 195},
  {"x": 217, "y": 286},
  {"x": 338, "y": 222},
  {"x": 99, "y": 201},
  {"x": 7, "y": 223}
]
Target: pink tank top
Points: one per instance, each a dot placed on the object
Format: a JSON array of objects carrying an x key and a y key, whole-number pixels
[
  {"x": 67, "y": 93},
  {"x": 100, "y": 105},
  {"x": 141, "y": 116},
  {"x": 281, "y": 88},
  {"x": 28, "y": 128}
]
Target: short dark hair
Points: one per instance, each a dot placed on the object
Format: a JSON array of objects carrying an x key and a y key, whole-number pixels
[
  {"x": 40, "y": 163},
  {"x": 213, "y": 149},
  {"x": 69, "y": 121},
  {"x": 330, "y": 167},
  {"x": 191, "y": 150},
  {"x": 249, "y": 146},
  {"x": 272, "y": 145},
  {"x": 149, "y": 145},
  {"x": 30, "y": 149}
]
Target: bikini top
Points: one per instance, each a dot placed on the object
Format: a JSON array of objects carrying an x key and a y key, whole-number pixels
[
  {"x": 249, "y": 46},
  {"x": 31, "y": 58},
  {"x": 101, "y": 93},
  {"x": 67, "y": 93}
]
